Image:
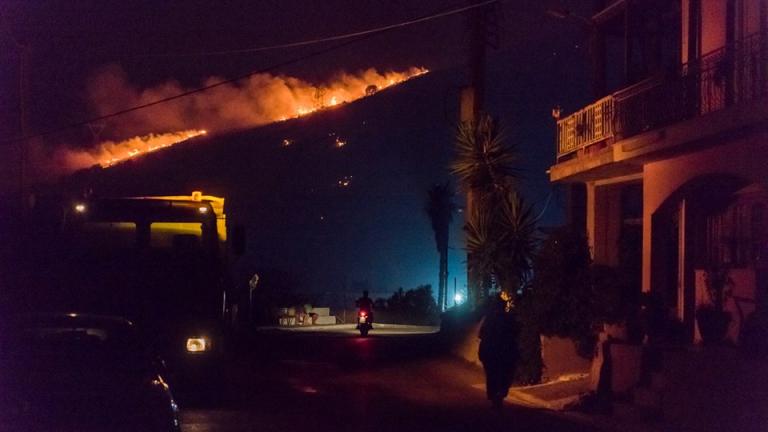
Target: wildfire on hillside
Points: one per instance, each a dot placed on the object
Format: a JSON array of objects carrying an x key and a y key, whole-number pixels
[
  {"x": 343, "y": 91},
  {"x": 261, "y": 100},
  {"x": 111, "y": 153}
]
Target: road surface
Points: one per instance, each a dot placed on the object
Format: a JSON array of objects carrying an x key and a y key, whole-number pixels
[{"x": 336, "y": 381}]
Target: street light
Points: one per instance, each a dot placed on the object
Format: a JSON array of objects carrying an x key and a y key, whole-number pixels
[{"x": 458, "y": 298}]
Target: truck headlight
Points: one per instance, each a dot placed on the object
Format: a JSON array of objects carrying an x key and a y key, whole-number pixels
[{"x": 198, "y": 344}]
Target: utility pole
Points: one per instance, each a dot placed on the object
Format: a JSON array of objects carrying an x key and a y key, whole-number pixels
[
  {"x": 23, "y": 52},
  {"x": 454, "y": 292},
  {"x": 472, "y": 107},
  {"x": 483, "y": 33},
  {"x": 477, "y": 64}
]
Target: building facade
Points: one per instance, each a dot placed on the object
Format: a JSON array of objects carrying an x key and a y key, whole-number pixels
[{"x": 671, "y": 159}]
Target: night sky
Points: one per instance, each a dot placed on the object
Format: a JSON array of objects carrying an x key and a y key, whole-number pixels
[{"x": 374, "y": 233}]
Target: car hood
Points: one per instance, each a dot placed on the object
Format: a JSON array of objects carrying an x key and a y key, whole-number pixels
[{"x": 60, "y": 404}]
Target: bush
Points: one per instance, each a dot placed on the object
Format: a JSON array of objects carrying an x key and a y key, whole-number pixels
[
  {"x": 572, "y": 297},
  {"x": 562, "y": 301},
  {"x": 616, "y": 300},
  {"x": 529, "y": 365},
  {"x": 416, "y": 306}
]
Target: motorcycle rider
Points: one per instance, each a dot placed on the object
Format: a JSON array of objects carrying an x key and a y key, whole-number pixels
[{"x": 365, "y": 304}]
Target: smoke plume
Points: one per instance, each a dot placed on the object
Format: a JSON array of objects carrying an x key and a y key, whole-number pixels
[{"x": 257, "y": 100}]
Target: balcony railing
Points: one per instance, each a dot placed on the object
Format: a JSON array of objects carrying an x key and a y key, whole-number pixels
[
  {"x": 588, "y": 126},
  {"x": 734, "y": 74}
]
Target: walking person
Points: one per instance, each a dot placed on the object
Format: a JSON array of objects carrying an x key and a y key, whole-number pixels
[{"x": 498, "y": 347}]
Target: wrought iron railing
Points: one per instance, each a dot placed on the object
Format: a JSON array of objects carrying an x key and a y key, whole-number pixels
[{"x": 734, "y": 74}]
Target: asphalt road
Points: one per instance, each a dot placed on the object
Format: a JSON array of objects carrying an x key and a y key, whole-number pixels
[{"x": 390, "y": 381}]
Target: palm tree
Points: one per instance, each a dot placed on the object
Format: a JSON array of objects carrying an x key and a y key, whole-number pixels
[
  {"x": 440, "y": 207},
  {"x": 500, "y": 228}
]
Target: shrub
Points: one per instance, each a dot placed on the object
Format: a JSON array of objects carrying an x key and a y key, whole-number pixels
[
  {"x": 529, "y": 365},
  {"x": 415, "y": 306},
  {"x": 562, "y": 300}
]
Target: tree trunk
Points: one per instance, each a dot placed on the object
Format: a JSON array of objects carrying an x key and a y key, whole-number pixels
[
  {"x": 443, "y": 288},
  {"x": 485, "y": 289},
  {"x": 474, "y": 281}
]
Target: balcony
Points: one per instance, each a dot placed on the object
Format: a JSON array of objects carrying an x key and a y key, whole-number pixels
[{"x": 734, "y": 74}]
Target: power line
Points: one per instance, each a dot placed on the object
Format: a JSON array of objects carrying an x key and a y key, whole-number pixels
[
  {"x": 325, "y": 39},
  {"x": 546, "y": 206},
  {"x": 181, "y": 95},
  {"x": 357, "y": 37}
]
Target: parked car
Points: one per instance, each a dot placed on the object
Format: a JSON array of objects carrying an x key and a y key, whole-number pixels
[{"x": 74, "y": 372}]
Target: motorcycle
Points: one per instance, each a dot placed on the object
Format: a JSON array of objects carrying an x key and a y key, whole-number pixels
[{"x": 364, "y": 322}]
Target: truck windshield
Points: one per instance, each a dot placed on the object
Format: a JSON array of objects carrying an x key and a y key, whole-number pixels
[{"x": 162, "y": 271}]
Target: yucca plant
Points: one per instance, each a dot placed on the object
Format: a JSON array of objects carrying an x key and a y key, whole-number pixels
[
  {"x": 501, "y": 239},
  {"x": 517, "y": 245},
  {"x": 481, "y": 249},
  {"x": 500, "y": 228},
  {"x": 483, "y": 161}
]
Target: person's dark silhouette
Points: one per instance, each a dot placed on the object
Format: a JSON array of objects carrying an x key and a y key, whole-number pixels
[
  {"x": 365, "y": 303},
  {"x": 498, "y": 348}
]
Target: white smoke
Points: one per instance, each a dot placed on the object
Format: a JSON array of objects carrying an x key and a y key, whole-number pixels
[
  {"x": 257, "y": 100},
  {"x": 254, "y": 101}
]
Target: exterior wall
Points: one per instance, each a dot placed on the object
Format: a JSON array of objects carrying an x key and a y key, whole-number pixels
[
  {"x": 561, "y": 358},
  {"x": 714, "y": 15},
  {"x": 713, "y": 18},
  {"x": 745, "y": 158}
]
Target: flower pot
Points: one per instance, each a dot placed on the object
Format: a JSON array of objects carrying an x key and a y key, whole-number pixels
[{"x": 713, "y": 324}]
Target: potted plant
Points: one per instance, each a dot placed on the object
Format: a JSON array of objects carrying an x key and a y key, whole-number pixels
[{"x": 712, "y": 318}]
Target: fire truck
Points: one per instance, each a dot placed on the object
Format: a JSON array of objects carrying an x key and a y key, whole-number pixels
[{"x": 160, "y": 261}]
